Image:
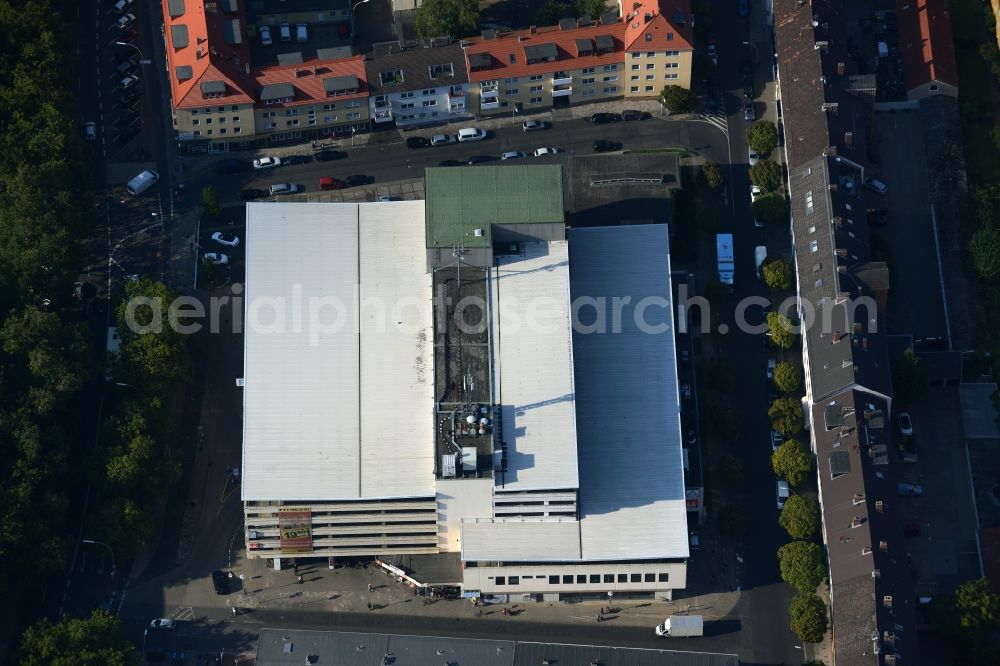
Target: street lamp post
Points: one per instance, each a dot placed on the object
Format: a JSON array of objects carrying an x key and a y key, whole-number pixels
[
  {"x": 355, "y": 6},
  {"x": 142, "y": 58},
  {"x": 91, "y": 542}
]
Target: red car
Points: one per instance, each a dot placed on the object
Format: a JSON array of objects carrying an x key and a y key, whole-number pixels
[
  {"x": 343, "y": 29},
  {"x": 328, "y": 183}
]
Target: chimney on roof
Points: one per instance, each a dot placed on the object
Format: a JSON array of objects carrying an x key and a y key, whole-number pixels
[
  {"x": 857, "y": 522},
  {"x": 822, "y": 44},
  {"x": 849, "y": 138},
  {"x": 836, "y": 336},
  {"x": 533, "y": 30},
  {"x": 647, "y": 17},
  {"x": 841, "y": 67},
  {"x": 879, "y": 506},
  {"x": 859, "y": 498},
  {"x": 876, "y": 573}
]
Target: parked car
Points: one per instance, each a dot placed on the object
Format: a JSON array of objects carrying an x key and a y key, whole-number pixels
[
  {"x": 755, "y": 193},
  {"x": 631, "y": 114},
  {"x": 264, "y": 32},
  {"x": 284, "y": 188},
  {"x": 876, "y": 185},
  {"x": 229, "y": 240},
  {"x": 451, "y": 163},
  {"x": 479, "y": 159},
  {"x": 266, "y": 162},
  {"x": 602, "y": 118},
  {"x": 328, "y": 183},
  {"x": 753, "y": 156},
  {"x": 776, "y": 440},
  {"x": 442, "y": 139},
  {"x": 385, "y": 198},
  {"x": 713, "y": 53},
  {"x": 542, "y": 152},
  {"x": 909, "y": 489},
  {"x": 162, "y": 623},
  {"x": 905, "y": 424},
  {"x": 355, "y": 180},
  {"x": 512, "y": 155},
  {"x": 748, "y": 114},
  {"x": 285, "y": 32},
  {"x": 471, "y": 134},
  {"x": 122, "y": 5},
  {"x": 330, "y": 155},
  {"x": 125, "y": 21},
  {"x": 215, "y": 258},
  {"x": 250, "y": 194},
  {"x": 414, "y": 142},
  {"x": 129, "y": 81},
  {"x": 783, "y": 493},
  {"x": 533, "y": 125},
  {"x": 90, "y": 131},
  {"x": 296, "y": 159},
  {"x": 301, "y": 33},
  {"x": 602, "y": 146}
]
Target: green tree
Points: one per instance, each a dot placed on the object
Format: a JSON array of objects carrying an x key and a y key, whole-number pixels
[
  {"x": 551, "y": 12},
  {"x": 808, "y": 617},
  {"x": 731, "y": 470},
  {"x": 778, "y": 273},
  {"x": 455, "y": 18},
  {"x": 779, "y": 328},
  {"x": 786, "y": 378},
  {"x": 792, "y": 462},
  {"x": 713, "y": 175},
  {"x": 732, "y": 521},
  {"x": 677, "y": 99},
  {"x": 591, "y": 8},
  {"x": 800, "y": 517},
  {"x": 771, "y": 209},
  {"x": 210, "y": 207},
  {"x": 801, "y": 564},
  {"x": 93, "y": 641},
  {"x": 909, "y": 378},
  {"x": 786, "y": 416},
  {"x": 153, "y": 355},
  {"x": 985, "y": 248},
  {"x": 766, "y": 175},
  {"x": 762, "y": 137},
  {"x": 970, "y": 617}
]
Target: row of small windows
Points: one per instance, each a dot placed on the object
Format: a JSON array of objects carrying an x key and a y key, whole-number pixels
[
  {"x": 584, "y": 579},
  {"x": 653, "y": 54}
]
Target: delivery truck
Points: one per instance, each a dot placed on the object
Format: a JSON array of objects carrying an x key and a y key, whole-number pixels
[
  {"x": 724, "y": 254},
  {"x": 681, "y": 626}
]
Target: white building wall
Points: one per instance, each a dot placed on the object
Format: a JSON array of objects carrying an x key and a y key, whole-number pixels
[
  {"x": 412, "y": 107},
  {"x": 599, "y": 578}
]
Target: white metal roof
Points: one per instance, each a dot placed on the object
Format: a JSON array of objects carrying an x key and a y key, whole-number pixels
[
  {"x": 533, "y": 367},
  {"x": 632, "y": 502},
  {"x": 306, "y": 435},
  {"x": 521, "y": 540}
]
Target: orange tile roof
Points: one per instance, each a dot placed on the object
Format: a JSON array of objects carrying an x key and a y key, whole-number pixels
[
  {"x": 307, "y": 78},
  {"x": 660, "y": 19},
  {"x": 507, "y": 43},
  {"x": 219, "y": 61},
  {"x": 925, "y": 42}
]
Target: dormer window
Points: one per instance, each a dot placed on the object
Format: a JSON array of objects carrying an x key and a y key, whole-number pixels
[
  {"x": 440, "y": 71},
  {"x": 393, "y": 77},
  {"x": 213, "y": 89}
]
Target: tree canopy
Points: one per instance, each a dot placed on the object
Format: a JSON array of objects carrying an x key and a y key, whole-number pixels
[
  {"x": 801, "y": 564},
  {"x": 787, "y": 378},
  {"x": 779, "y": 327},
  {"x": 762, "y": 137},
  {"x": 800, "y": 517},
  {"x": 677, "y": 99},
  {"x": 713, "y": 175},
  {"x": 732, "y": 521},
  {"x": 441, "y": 18},
  {"x": 778, "y": 273},
  {"x": 771, "y": 209},
  {"x": 792, "y": 462},
  {"x": 786, "y": 416},
  {"x": 971, "y": 618},
  {"x": 808, "y": 617},
  {"x": 766, "y": 175},
  {"x": 985, "y": 249},
  {"x": 210, "y": 207},
  {"x": 909, "y": 378},
  {"x": 93, "y": 641}
]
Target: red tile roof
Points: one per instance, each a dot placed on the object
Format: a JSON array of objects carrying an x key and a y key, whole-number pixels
[
  {"x": 659, "y": 19},
  {"x": 925, "y": 42},
  {"x": 501, "y": 48},
  {"x": 307, "y": 78}
]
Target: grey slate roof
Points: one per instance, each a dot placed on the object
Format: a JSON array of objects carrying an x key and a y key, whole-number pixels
[
  {"x": 416, "y": 64},
  {"x": 179, "y": 35},
  {"x": 334, "y": 84},
  {"x": 292, "y": 58},
  {"x": 213, "y": 87},
  {"x": 175, "y": 8},
  {"x": 183, "y": 72},
  {"x": 273, "y": 91},
  {"x": 536, "y": 52},
  {"x": 334, "y": 53}
]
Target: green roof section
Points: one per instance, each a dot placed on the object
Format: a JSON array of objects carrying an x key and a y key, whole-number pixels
[{"x": 463, "y": 199}]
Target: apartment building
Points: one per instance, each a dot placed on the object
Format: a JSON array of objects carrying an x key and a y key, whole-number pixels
[
  {"x": 574, "y": 62},
  {"x": 659, "y": 45},
  {"x": 231, "y": 88},
  {"x": 417, "y": 86}
]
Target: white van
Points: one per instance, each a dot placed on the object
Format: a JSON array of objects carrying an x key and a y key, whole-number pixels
[
  {"x": 142, "y": 182},
  {"x": 285, "y": 31},
  {"x": 759, "y": 257},
  {"x": 471, "y": 134}
]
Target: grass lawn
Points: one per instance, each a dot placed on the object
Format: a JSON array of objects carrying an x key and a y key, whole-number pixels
[{"x": 976, "y": 109}]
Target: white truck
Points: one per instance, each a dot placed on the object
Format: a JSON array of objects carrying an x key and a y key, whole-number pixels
[
  {"x": 759, "y": 256},
  {"x": 724, "y": 255},
  {"x": 681, "y": 626}
]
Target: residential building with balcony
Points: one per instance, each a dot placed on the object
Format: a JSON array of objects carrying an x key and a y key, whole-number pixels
[
  {"x": 417, "y": 86},
  {"x": 575, "y": 62},
  {"x": 659, "y": 40},
  {"x": 227, "y": 94}
]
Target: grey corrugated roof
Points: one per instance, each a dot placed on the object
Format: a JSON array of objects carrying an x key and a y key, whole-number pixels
[
  {"x": 416, "y": 64},
  {"x": 584, "y": 46},
  {"x": 213, "y": 87},
  {"x": 232, "y": 33},
  {"x": 175, "y": 8},
  {"x": 334, "y": 53},
  {"x": 605, "y": 43},
  {"x": 547, "y": 51},
  {"x": 274, "y": 91},
  {"x": 183, "y": 72},
  {"x": 179, "y": 36},
  {"x": 334, "y": 84},
  {"x": 292, "y": 58},
  {"x": 567, "y": 23},
  {"x": 480, "y": 60}
]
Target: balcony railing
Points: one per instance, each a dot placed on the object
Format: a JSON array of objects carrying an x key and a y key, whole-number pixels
[
  {"x": 562, "y": 91},
  {"x": 383, "y": 116},
  {"x": 489, "y": 103},
  {"x": 383, "y": 104},
  {"x": 560, "y": 78}
]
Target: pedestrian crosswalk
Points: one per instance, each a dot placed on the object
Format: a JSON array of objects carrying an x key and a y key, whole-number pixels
[{"x": 717, "y": 118}]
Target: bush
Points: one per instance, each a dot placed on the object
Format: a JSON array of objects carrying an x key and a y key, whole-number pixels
[
  {"x": 808, "y": 617},
  {"x": 786, "y": 416},
  {"x": 210, "y": 207},
  {"x": 713, "y": 175},
  {"x": 801, "y": 564},
  {"x": 94, "y": 640},
  {"x": 791, "y": 462},
  {"x": 771, "y": 209},
  {"x": 800, "y": 517},
  {"x": 778, "y": 273},
  {"x": 677, "y": 99},
  {"x": 439, "y": 18},
  {"x": 786, "y": 378},
  {"x": 985, "y": 248},
  {"x": 766, "y": 175},
  {"x": 762, "y": 136}
]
